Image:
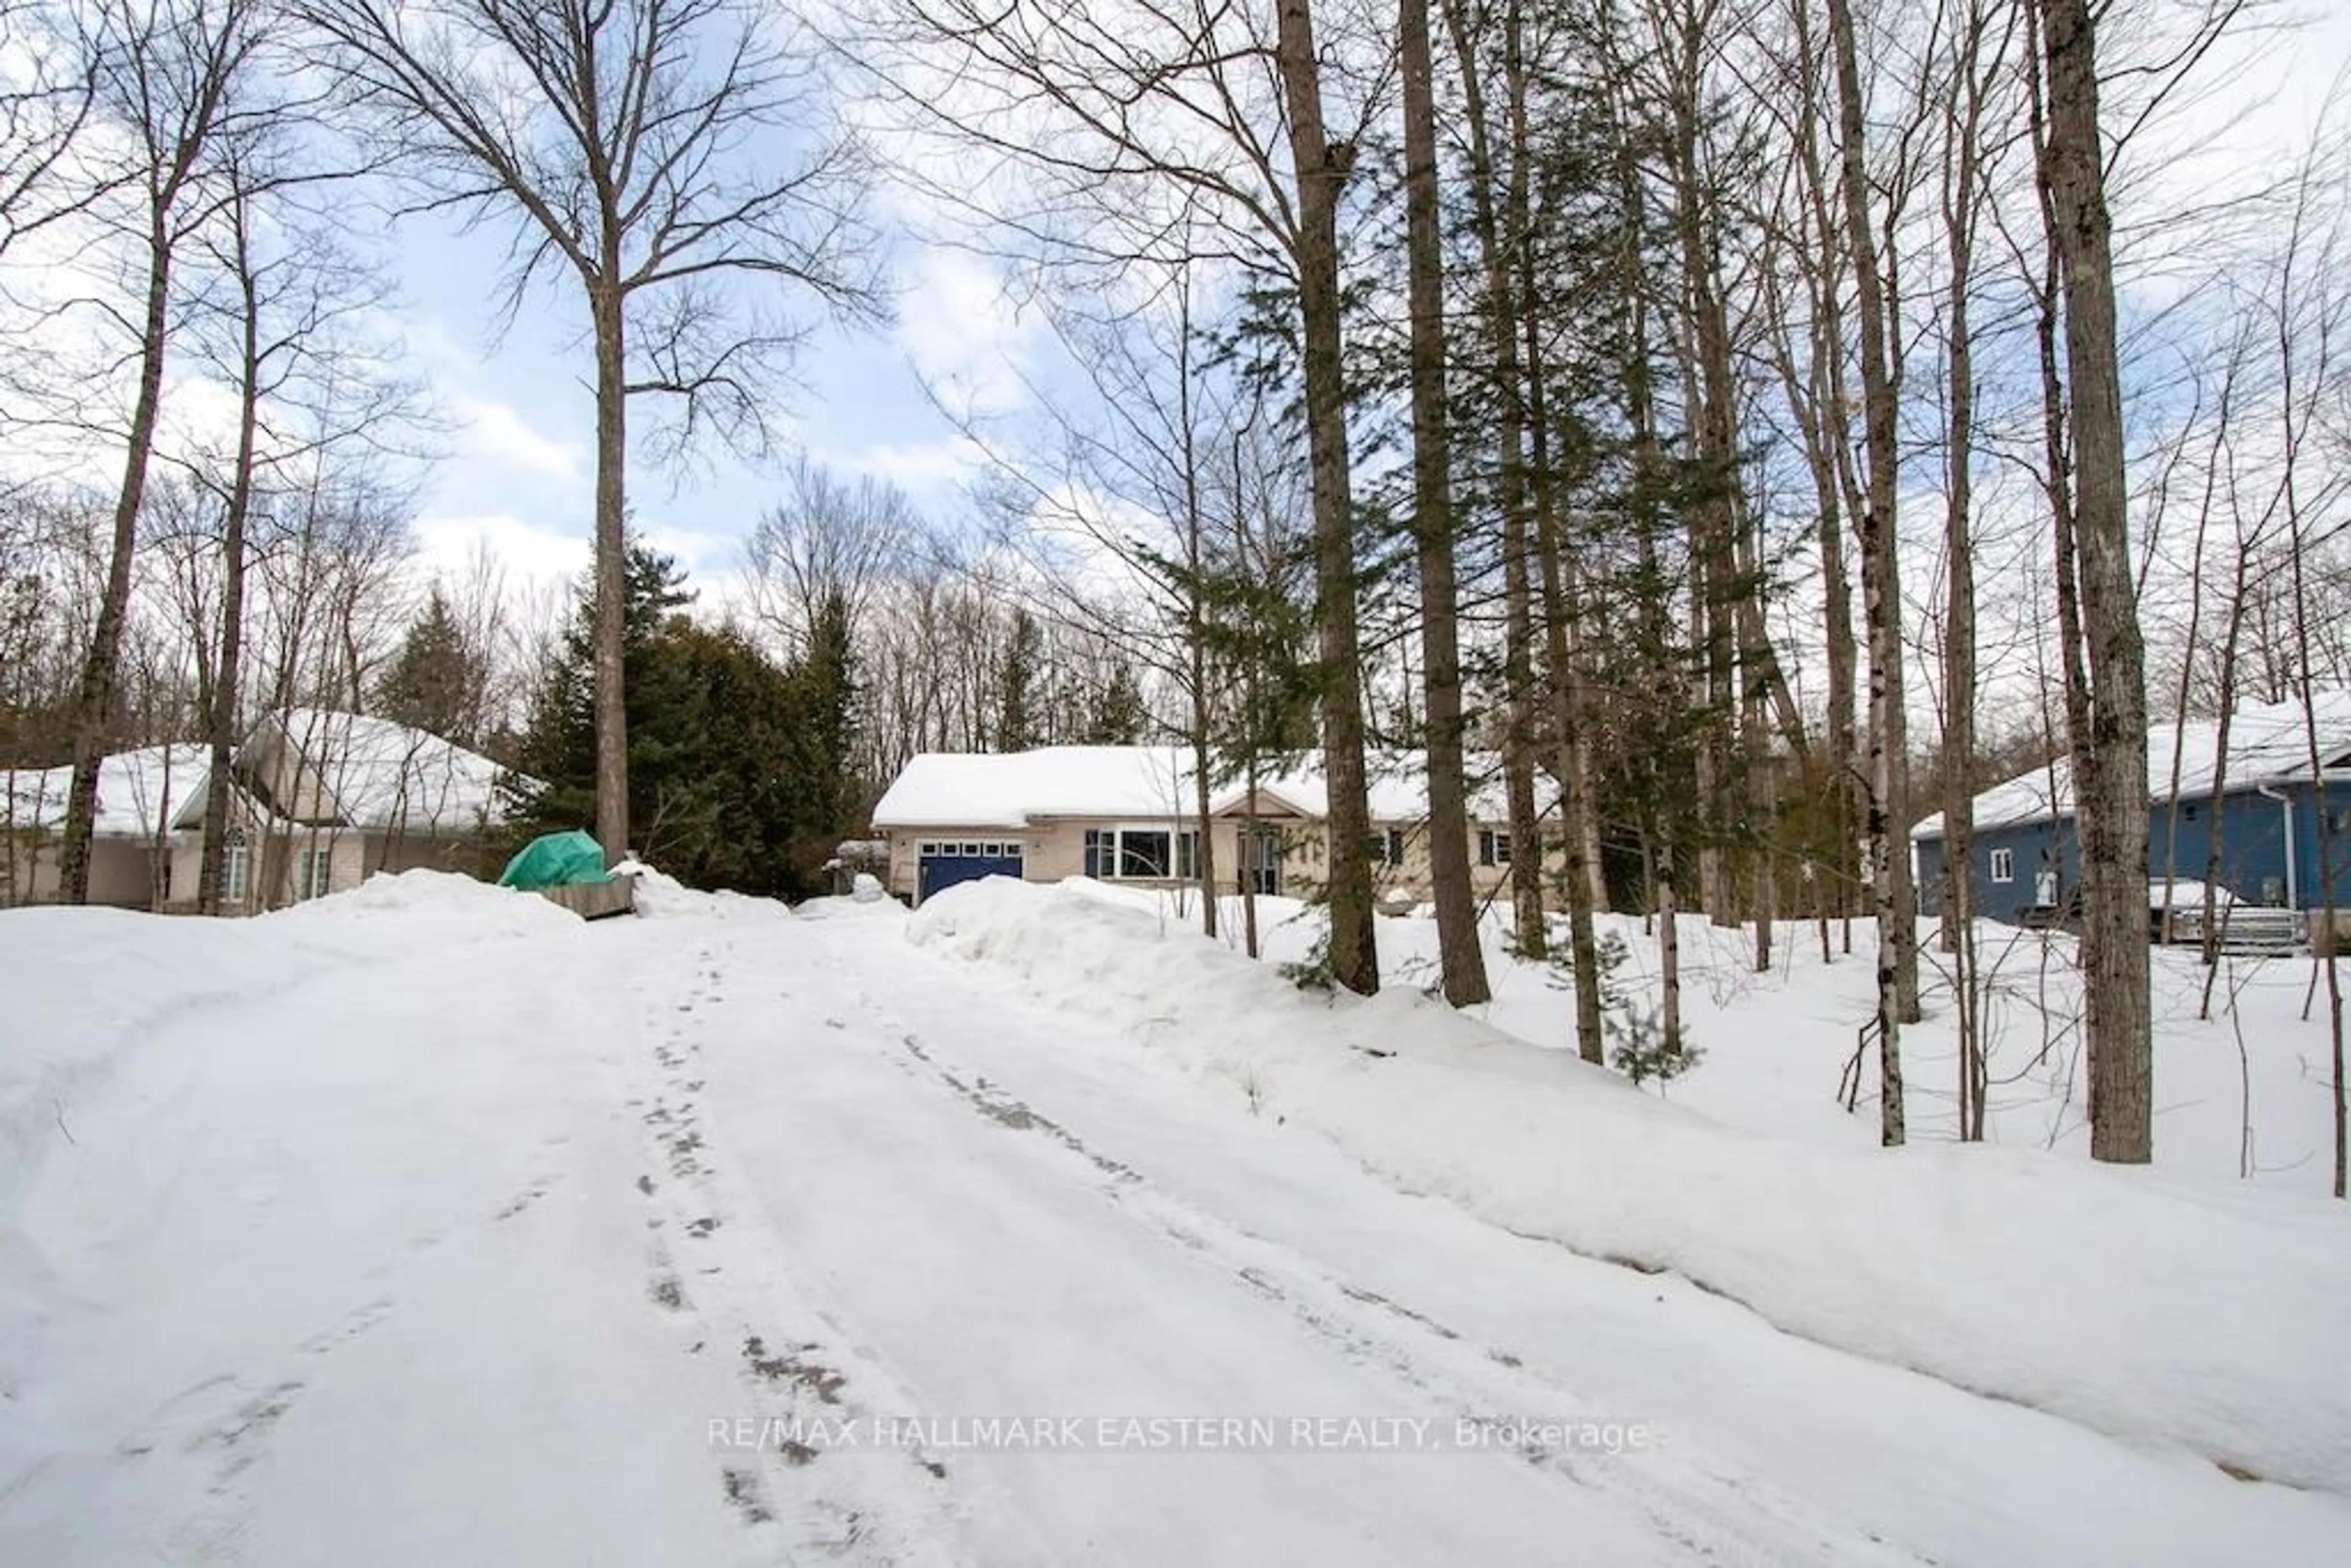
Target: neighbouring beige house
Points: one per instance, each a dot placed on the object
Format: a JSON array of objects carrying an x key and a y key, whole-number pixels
[
  {"x": 1132, "y": 814},
  {"x": 318, "y": 801}
]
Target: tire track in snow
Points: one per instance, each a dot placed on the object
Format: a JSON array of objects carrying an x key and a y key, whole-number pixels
[
  {"x": 1714, "y": 1514},
  {"x": 725, "y": 1291}
]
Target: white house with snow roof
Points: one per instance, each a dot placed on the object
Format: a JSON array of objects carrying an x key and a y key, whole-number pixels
[
  {"x": 318, "y": 801},
  {"x": 1134, "y": 814}
]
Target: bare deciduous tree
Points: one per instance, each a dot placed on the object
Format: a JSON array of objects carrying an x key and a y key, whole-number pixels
[
  {"x": 671, "y": 157},
  {"x": 168, "y": 79}
]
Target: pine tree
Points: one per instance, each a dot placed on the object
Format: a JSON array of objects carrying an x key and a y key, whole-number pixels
[
  {"x": 1119, "y": 716},
  {"x": 554, "y": 782},
  {"x": 1015, "y": 723},
  {"x": 822, "y": 777},
  {"x": 437, "y": 679}
]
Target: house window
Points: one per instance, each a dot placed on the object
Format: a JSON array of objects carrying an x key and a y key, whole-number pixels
[
  {"x": 1396, "y": 846},
  {"x": 1134, "y": 855},
  {"x": 1187, "y": 855},
  {"x": 2003, "y": 865},
  {"x": 236, "y": 874},
  {"x": 314, "y": 873},
  {"x": 1493, "y": 847},
  {"x": 1143, "y": 854}
]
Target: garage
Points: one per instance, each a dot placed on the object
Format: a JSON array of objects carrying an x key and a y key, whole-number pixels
[{"x": 944, "y": 862}]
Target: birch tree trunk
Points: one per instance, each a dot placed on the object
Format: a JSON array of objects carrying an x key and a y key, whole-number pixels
[{"x": 1896, "y": 898}]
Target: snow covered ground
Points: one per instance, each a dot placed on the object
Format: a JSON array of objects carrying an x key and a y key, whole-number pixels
[
  {"x": 426, "y": 1224},
  {"x": 2243, "y": 1093}
]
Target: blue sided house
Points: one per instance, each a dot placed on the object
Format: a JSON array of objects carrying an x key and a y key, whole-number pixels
[{"x": 2265, "y": 822}]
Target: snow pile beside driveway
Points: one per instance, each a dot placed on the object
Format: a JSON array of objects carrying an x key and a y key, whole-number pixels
[
  {"x": 83, "y": 985},
  {"x": 88, "y": 991},
  {"x": 2156, "y": 1311}
]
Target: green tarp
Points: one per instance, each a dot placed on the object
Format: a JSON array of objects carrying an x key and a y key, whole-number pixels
[{"x": 556, "y": 859}]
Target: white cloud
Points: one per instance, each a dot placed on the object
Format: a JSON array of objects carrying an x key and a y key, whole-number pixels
[
  {"x": 963, "y": 332},
  {"x": 497, "y": 432},
  {"x": 530, "y": 555}
]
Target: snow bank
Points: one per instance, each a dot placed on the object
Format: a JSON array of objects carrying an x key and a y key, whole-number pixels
[
  {"x": 2156, "y": 1311},
  {"x": 425, "y": 906},
  {"x": 83, "y": 985},
  {"x": 80, "y": 983},
  {"x": 88, "y": 989},
  {"x": 660, "y": 896}
]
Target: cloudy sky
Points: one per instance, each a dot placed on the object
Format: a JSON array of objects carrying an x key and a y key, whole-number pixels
[{"x": 520, "y": 472}]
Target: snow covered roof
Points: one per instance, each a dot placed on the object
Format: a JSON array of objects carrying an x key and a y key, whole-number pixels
[
  {"x": 2268, "y": 744},
  {"x": 1011, "y": 789},
  {"x": 374, "y": 774},
  {"x": 1007, "y": 788},
  {"x": 1399, "y": 787},
  {"x": 380, "y": 774},
  {"x": 139, "y": 792}
]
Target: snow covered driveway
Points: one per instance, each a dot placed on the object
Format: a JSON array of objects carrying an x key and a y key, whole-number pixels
[{"x": 443, "y": 1229}]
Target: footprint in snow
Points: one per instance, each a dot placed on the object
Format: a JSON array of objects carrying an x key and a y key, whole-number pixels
[
  {"x": 743, "y": 1489},
  {"x": 525, "y": 1198},
  {"x": 355, "y": 1322}
]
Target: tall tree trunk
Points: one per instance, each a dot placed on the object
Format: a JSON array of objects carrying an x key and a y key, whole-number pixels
[
  {"x": 1322, "y": 172},
  {"x": 1877, "y": 589},
  {"x": 1195, "y": 642},
  {"x": 94, "y": 698},
  {"x": 2216, "y": 822},
  {"x": 2111, "y": 814},
  {"x": 1461, "y": 962},
  {"x": 2058, "y": 484},
  {"x": 1669, "y": 953},
  {"x": 611, "y": 563},
  {"x": 1558, "y": 604},
  {"x": 221, "y": 721},
  {"x": 1585, "y": 854},
  {"x": 1715, "y": 588},
  {"x": 1532, "y": 936},
  {"x": 1890, "y": 813},
  {"x": 1961, "y": 204},
  {"x": 1817, "y": 394}
]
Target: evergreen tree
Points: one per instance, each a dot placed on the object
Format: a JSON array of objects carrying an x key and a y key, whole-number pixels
[
  {"x": 739, "y": 766},
  {"x": 437, "y": 679},
  {"x": 1119, "y": 716},
  {"x": 554, "y": 783},
  {"x": 1015, "y": 725},
  {"x": 820, "y": 777}
]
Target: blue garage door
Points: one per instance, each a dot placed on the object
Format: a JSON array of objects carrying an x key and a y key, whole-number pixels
[{"x": 948, "y": 861}]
